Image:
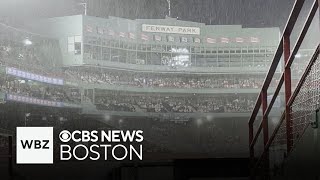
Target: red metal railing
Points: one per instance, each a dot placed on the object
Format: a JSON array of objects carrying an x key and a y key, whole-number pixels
[{"x": 283, "y": 49}]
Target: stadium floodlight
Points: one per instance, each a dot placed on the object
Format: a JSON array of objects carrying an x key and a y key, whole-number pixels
[
  {"x": 107, "y": 117},
  {"x": 27, "y": 42},
  {"x": 210, "y": 117},
  {"x": 199, "y": 122},
  {"x": 85, "y": 7},
  {"x": 22, "y": 81},
  {"x": 298, "y": 55}
]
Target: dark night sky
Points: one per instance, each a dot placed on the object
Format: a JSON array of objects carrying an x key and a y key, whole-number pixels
[{"x": 252, "y": 13}]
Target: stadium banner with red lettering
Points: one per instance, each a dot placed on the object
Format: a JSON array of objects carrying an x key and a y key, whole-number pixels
[
  {"x": 157, "y": 38},
  {"x": 144, "y": 37},
  {"x": 224, "y": 40},
  {"x": 211, "y": 40},
  {"x": 254, "y": 40},
  {"x": 122, "y": 34},
  {"x": 184, "y": 39},
  {"x": 196, "y": 40},
  {"x": 170, "y": 39},
  {"x": 239, "y": 40},
  {"x": 100, "y": 30},
  {"x": 132, "y": 36}
]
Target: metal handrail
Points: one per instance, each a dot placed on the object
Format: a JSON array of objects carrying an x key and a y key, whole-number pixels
[
  {"x": 291, "y": 58},
  {"x": 288, "y": 29},
  {"x": 301, "y": 81},
  {"x": 294, "y": 95},
  {"x": 283, "y": 48}
]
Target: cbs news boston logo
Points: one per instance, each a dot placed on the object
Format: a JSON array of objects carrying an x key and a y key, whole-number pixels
[{"x": 35, "y": 145}]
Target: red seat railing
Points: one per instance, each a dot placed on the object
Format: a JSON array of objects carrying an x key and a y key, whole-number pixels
[{"x": 283, "y": 49}]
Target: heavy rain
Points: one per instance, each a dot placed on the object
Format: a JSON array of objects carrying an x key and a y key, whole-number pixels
[{"x": 210, "y": 83}]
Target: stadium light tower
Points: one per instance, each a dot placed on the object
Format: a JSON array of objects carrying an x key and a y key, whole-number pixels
[
  {"x": 169, "y": 7},
  {"x": 85, "y": 7}
]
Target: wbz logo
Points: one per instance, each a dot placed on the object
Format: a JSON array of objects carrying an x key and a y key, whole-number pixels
[
  {"x": 37, "y": 144},
  {"x": 34, "y": 145}
]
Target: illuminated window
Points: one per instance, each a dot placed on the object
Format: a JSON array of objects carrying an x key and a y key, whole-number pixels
[{"x": 74, "y": 44}]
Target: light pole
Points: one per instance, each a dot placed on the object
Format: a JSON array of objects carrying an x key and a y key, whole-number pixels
[
  {"x": 26, "y": 116},
  {"x": 85, "y": 7},
  {"x": 169, "y": 7}
]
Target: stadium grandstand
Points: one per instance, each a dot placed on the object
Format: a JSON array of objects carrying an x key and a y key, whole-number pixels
[
  {"x": 137, "y": 68},
  {"x": 189, "y": 86}
]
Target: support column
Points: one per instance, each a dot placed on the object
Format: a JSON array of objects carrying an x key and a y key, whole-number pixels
[
  {"x": 287, "y": 85},
  {"x": 265, "y": 128},
  {"x": 251, "y": 149},
  {"x": 264, "y": 99}
]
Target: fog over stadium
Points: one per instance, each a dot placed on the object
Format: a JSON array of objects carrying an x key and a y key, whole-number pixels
[
  {"x": 208, "y": 11},
  {"x": 195, "y": 76}
]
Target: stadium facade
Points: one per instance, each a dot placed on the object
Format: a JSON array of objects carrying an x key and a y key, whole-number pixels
[
  {"x": 159, "y": 70},
  {"x": 168, "y": 47},
  {"x": 93, "y": 40}
]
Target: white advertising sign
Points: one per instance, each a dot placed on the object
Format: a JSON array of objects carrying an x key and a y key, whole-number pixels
[{"x": 170, "y": 29}]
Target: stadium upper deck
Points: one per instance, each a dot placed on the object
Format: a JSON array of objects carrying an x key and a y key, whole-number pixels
[
  {"x": 122, "y": 71},
  {"x": 217, "y": 69},
  {"x": 160, "y": 44},
  {"x": 113, "y": 54}
]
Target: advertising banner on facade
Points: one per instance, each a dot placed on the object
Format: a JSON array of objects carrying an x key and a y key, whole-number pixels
[
  {"x": 170, "y": 29},
  {"x": 31, "y": 76}
]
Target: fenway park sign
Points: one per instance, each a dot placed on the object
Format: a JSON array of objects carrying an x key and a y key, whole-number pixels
[{"x": 170, "y": 29}]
